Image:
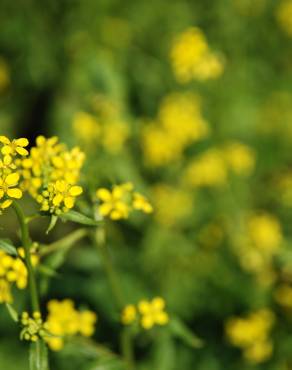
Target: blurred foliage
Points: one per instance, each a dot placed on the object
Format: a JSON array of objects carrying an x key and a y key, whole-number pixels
[{"x": 217, "y": 249}]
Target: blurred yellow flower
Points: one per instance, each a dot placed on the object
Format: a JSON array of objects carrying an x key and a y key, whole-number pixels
[
  {"x": 284, "y": 16},
  {"x": 192, "y": 58},
  {"x": 129, "y": 314},
  {"x": 64, "y": 320},
  {"x": 209, "y": 169},
  {"x": 251, "y": 334},
  {"x": 152, "y": 313},
  {"x": 12, "y": 271},
  {"x": 283, "y": 295},
  {"x": 118, "y": 203},
  {"x": 239, "y": 157},
  {"x": 265, "y": 232},
  {"x": 172, "y": 204},
  {"x": 33, "y": 327},
  {"x": 179, "y": 123}
]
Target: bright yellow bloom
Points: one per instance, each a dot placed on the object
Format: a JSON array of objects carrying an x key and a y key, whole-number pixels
[
  {"x": 51, "y": 173},
  {"x": 118, "y": 203},
  {"x": 12, "y": 271},
  {"x": 129, "y": 314},
  {"x": 152, "y": 313},
  {"x": 251, "y": 334},
  {"x": 9, "y": 171},
  {"x": 192, "y": 59},
  {"x": 64, "y": 320}
]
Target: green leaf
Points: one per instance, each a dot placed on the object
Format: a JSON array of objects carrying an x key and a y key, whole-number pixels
[
  {"x": 47, "y": 270},
  {"x": 12, "y": 312},
  {"x": 8, "y": 247},
  {"x": 180, "y": 330},
  {"x": 52, "y": 224},
  {"x": 38, "y": 356},
  {"x": 79, "y": 218}
]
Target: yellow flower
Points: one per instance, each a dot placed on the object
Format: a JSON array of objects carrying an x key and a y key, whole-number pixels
[
  {"x": 64, "y": 320},
  {"x": 251, "y": 334},
  {"x": 12, "y": 271},
  {"x": 141, "y": 203},
  {"x": 51, "y": 173},
  {"x": 16, "y": 146},
  {"x": 192, "y": 59},
  {"x": 265, "y": 232},
  {"x": 8, "y": 186},
  {"x": 152, "y": 313},
  {"x": 239, "y": 157},
  {"x": 129, "y": 314},
  {"x": 118, "y": 203},
  {"x": 179, "y": 124},
  {"x": 209, "y": 169}
]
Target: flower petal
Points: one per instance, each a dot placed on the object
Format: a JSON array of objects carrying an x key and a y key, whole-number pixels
[
  {"x": 21, "y": 151},
  {"x": 104, "y": 194},
  {"x": 14, "y": 193},
  {"x": 75, "y": 191},
  {"x": 12, "y": 179},
  {"x": 21, "y": 141}
]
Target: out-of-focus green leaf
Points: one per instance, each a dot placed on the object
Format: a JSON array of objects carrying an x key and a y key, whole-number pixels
[
  {"x": 7, "y": 246},
  {"x": 79, "y": 218},
  {"x": 180, "y": 330}
]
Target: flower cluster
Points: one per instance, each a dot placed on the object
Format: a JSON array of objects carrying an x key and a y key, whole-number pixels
[
  {"x": 147, "y": 313},
  {"x": 258, "y": 243},
  {"x": 118, "y": 203},
  {"x": 12, "y": 271},
  {"x": 179, "y": 123},
  {"x": 10, "y": 151},
  {"x": 51, "y": 173},
  {"x": 104, "y": 127},
  {"x": 33, "y": 327},
  {"x": 251, "y": 334},
  {"x": 192, "y": 58},
  {"x": 211, "y": 168},
  {"x": 64, "y": 320}
]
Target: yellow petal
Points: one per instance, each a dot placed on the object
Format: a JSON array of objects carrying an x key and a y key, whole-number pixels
[
  {"x": 61, "y": 186},
  {"x": 57, "y": 200},
  {"x": 104, "y": 194},
  {"x": 69, "y": 202},
  {"x": 14, "y": 193},
  {"x": 4, "y": 140},
  {"x": 105, "y": 209},
  {"x": 21, "y": 151},
  {"x": 161, "y": 318},
  {"x": 6, "y": 204},
  {"x": 75, "y": 191},
  {"x": 147, "y": 322},
  {"x": 21, "y": 141},
  {"x": 144, "y": 307},
  {"x": 7, "y": 160},
  {"x": 158, "y": 303},
  {"x": 6, "y": 150},
  {"x": 1, "y": 193},
  {"x": 12, "y": 179}
]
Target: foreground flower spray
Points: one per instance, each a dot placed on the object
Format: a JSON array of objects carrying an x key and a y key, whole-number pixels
[{"x": 50, "y": 173}]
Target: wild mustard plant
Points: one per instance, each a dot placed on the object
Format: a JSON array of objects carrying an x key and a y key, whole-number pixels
[{"x": 50, "y": 173}]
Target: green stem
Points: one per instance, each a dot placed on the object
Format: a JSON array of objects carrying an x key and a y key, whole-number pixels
[
  {"x": 109, "y": 268},
  {"x": 66, "y": 242},
  {"x": 114, "y": 282},
  {"x": 26, "y": 241},
  {"x": 127, "y": 348}
]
